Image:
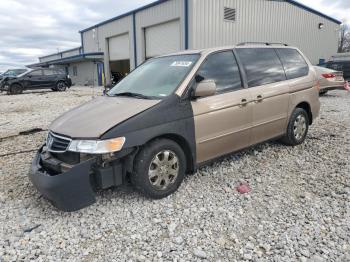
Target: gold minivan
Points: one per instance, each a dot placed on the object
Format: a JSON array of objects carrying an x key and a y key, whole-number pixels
[{"x": 172, "y": 114}]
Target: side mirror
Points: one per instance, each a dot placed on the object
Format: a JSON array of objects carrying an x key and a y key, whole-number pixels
[{"x": 205, "y": 88}]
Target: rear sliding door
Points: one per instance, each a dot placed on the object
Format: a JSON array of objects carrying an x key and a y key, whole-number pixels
[{"x": 270, "y": 92}]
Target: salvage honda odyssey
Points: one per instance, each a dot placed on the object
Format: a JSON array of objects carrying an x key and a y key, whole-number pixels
[{"x": 173, "y": 114}]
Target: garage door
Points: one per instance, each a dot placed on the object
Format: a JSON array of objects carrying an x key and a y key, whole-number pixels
[
  {"x": 119, "y": 47},
  {"x": 162, "y": 39}
]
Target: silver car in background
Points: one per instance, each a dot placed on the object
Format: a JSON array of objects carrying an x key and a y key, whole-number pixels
[{"x": 329, "y": 79}]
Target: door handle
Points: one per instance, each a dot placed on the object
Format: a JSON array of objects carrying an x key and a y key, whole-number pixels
[
  {"x": 244, "y": 102},
  {"x": 259, "y": 99}
]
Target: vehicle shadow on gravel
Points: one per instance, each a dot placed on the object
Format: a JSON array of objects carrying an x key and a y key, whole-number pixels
[{"x": 129, "y": 192}]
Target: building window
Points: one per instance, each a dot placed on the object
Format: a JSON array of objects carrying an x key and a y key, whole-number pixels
[
  {"x": 75, "y": 71},
  {"x": 229, "y": 14}
]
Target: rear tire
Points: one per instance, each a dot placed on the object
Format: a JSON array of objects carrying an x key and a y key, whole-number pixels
[
  {"x": 159, "y": 169},
  {"x": 15, "y": 89},
  {"x": 297, "y": 129},
  {"x": 61, "y": 86}
]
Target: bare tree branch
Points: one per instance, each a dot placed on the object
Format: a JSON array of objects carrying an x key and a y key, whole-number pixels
[{"x": 344, "y": 39}]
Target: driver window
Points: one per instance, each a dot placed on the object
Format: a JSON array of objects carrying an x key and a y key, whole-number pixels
[{"x": 223, "y": 69}]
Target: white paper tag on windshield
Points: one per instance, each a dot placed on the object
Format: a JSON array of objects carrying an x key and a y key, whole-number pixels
[{"x": 182, "y": 63}]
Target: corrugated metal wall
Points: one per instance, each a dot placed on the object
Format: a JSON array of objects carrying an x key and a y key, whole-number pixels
[
  {"x": 95, "y": 39},
  {"x": 71, "y": 53},
  {"x": 261, "y": 20},
  {"x": 165, "y": 12},
  {"x": 86, "y": 73}
]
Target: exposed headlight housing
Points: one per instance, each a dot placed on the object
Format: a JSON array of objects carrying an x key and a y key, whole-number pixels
[{"x": 97, "y": 146}]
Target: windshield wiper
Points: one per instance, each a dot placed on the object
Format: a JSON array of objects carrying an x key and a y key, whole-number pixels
[{"x": 130, "y": 94}]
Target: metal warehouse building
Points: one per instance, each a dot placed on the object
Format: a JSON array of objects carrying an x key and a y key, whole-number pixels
[
  {"x": 168, "y": 26},
  {"x": 83, "y": 68}
]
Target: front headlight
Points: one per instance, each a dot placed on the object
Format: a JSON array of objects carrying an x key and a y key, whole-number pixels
[{"x": 97, "y": 146}]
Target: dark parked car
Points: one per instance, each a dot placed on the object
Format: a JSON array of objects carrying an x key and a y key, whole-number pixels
[
  {"x": 341, "y": 65},
  {"x": 55, "y": 79}
]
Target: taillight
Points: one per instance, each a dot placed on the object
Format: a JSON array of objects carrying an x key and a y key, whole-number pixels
[{"x": 329, "y": 75}]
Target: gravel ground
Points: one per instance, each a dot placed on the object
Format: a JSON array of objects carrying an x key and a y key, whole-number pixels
[{"x": 298, "y": 208}]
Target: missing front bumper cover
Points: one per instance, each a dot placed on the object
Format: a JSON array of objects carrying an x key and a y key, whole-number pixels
[{"x": 74, "y": 188}]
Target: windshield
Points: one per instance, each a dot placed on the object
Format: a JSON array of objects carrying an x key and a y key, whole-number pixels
[
  {"x": 158, "y": 77},
  {"x": 14, "y": 72}
]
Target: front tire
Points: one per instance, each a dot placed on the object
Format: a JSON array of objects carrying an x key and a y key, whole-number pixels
[
  {"x": 159, "y": 169},
  {"x": 15, "y": 89},
  {"x": 298, "y": 128}
]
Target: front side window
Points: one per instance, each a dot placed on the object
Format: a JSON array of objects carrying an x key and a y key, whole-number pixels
[
  {"x": 158, "y": 77},
  {"x": 262, "y": 66},
  {"x": 294, "y": 64},
  {"x": 223, "y": 69}
]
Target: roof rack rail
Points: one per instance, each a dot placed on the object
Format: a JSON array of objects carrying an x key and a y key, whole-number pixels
[{"x": 261, "y": 43}]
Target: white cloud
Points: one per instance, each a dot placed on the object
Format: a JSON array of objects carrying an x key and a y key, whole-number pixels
[
  {"x": 339, "y": 9},
  {"x": 34, "y": 28}
]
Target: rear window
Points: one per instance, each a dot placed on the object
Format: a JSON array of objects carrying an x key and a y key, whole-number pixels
[
  {"x": 262, "y": 66},
  {"x": 59, "y": 72},
  {"x": 294, "y": 64}
]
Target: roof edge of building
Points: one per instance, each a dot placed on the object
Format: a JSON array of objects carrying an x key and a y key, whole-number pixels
[
  {"x": 300, "y": 5},
  {"x": 84, "y": 55},
  {"x": 125, "y": 15},
  {"x": 61, "y": 52},
  {"x": 311, "y": 10}
]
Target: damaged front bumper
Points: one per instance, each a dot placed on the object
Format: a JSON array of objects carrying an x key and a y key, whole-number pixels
[{"x": 75, "y": 187}]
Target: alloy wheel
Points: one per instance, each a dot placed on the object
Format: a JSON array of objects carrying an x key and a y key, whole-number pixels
[
  {"x": 299, "y": 127},
  {"x": 61, "y": 86},
  {"x": 163, "y": 170}
]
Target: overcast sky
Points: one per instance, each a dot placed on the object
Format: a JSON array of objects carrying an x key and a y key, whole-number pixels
[{"x": 32, "y": 28}]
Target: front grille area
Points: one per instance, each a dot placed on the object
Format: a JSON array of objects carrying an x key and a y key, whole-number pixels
[{"x": 57, "y": 143}]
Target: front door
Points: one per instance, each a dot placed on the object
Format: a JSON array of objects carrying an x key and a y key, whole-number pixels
[
  {"x": 222, "y": 121},
  {"x": 269, "y": 89}
]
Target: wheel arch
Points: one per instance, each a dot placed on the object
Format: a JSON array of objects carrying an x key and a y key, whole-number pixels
[
  {"x": 17, "y": 83},
  {"x": 306, "y": 106}
]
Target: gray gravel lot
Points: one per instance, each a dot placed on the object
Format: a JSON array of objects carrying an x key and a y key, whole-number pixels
[{"x": 298, "y": 209}]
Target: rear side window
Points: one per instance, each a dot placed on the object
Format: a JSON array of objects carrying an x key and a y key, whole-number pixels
[
  {"x": 36, "y": 73},
  {"x": 262, "y": 66},
  {"x": 59, "y": 72},
  {"x": 223, "y": 69},
  {"x": 48, "y": 72},
  {"x": 294, "y": 64}
]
